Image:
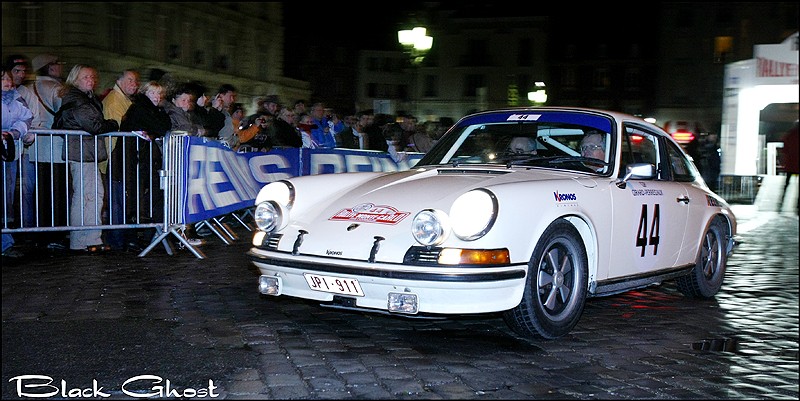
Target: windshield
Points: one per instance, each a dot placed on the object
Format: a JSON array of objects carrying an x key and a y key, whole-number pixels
[{"x": 549, "y": 140}]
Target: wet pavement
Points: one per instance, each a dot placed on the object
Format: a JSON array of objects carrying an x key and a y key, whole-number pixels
[{"x": 101, "y": 325}]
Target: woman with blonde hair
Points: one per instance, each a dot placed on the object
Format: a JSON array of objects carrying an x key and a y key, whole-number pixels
[
  {"x": 82, "y": 110},
  {"x": 135, "y": 165}
]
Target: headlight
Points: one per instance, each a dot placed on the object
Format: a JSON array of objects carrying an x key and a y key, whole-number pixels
[
  {"x": 279, "y": 191},
  {"x": 473, "y": 214},
  {"x": 268, "y": 216},
  {"x": 430, "y": 227}
]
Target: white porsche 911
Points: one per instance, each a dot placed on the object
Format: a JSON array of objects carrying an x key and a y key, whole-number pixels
[{"x": 527, "y": 211}]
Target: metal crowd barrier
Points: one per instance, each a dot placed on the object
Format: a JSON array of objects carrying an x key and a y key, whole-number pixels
[
  {"x": 43, "y": 179},
  {"x": 174, "y": 186}
]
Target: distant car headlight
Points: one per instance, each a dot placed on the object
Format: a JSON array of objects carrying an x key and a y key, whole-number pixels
[
  {"x": 430, "y": 227},
  {"x": 473, "y": 214},
  {"x": 268, "y": 216}
]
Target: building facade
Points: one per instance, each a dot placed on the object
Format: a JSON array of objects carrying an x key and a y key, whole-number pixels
[{"x": 213, "y": 43}]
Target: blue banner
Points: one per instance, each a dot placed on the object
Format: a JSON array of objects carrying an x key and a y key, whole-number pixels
[{"x": 220, "y": 181}]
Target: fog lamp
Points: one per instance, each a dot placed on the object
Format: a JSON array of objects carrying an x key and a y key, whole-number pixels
[
  {"x": 269, "y": 285},
  {"x": 403, "y": 302},
  {"x": 258, "y": 238}
]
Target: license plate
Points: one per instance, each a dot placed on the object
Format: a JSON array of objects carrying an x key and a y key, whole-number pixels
[{"x": 336, "y": 285}]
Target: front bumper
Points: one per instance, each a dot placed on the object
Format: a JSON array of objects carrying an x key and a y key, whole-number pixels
[{"x": 438, "y": 290}]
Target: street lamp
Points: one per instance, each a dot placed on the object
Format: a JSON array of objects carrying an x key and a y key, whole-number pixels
[
  {"x": 539, "y": 96},
  {"x": 416, "y": 44}
]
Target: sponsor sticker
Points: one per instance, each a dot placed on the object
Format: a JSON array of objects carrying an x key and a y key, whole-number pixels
[
  {"x": 570, "y": 197},
  {"x": 370, "y": 213}
]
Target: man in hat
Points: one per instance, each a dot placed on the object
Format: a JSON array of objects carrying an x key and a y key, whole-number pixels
[
  {"x": 272, "y": 104},
  {"x": 266, "y": 106},
  {"x": 46, "y": 61}
]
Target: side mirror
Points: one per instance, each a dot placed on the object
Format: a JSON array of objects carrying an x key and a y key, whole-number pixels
[{"x": 637, "y": 171}]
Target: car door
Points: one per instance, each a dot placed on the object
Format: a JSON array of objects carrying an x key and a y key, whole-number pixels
[{"x": 649, "y": 215}]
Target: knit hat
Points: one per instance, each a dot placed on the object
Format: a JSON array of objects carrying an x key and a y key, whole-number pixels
[{"x": 15, "y": 60}]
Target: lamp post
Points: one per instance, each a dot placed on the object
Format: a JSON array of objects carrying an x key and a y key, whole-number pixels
[
  {"x": 539, "y": 96},
  {"x": 416, "y": 44}
]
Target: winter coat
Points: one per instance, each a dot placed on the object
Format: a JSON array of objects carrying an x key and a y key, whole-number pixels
[
  {"x": 83, "y": 111},
  {"x": 181, "y": 120},
  {"x": 286, "y": 135},
  {"x": 16, "y": 118},
  {"x": 143, "y": 115}
]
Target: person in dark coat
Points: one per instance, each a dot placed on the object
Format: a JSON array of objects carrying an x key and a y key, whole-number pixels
[
  {"x": 134, "y": 164},
  {"x": 711, "y": 161},
  {"x": 791, "y": 164},
  {"x": 82, "y": 110},
  {"x": 286, "y": 134},
  {"x": 146, "y": 114}
]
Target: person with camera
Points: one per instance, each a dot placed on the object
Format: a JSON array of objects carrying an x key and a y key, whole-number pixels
[
  {"x": 325, "y": 132},
  {"x": 258, "y": 136}
]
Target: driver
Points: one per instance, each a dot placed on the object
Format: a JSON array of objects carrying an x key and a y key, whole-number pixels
[
  {"x": 522, "y": 144},
  {"x": 592, "y": 145}
]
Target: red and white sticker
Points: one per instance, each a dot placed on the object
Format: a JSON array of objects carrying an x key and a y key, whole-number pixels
[{"x": 370, "y": 213}]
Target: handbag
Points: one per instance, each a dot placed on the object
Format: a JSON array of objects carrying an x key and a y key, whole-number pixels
[{"x": 9, "y": 149}]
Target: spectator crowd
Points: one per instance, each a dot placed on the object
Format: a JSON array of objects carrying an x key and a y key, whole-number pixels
[{"x": 36, "y": 97}]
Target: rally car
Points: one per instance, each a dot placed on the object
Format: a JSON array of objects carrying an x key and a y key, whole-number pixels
[{"x": 524, "y": 211}]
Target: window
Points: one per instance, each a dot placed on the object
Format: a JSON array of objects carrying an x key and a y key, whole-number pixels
[
  {"x": 174, "y": 52},
  {"x": 524, "y": 54},
  {"x": 602, "y": 78},
  {"x": 431, "y": 89},
  {"x": 638, "y": 146},
  {"x": 32, "y": 28},
  {"x": 117, "y": 18},
  {"x": 632, "y": 79},
  {"x": 569, "y": 78},
  {"x": 679, "y": 164},
  {"x": 471, "y": 84},
  {"x": 523, "y": 84}
]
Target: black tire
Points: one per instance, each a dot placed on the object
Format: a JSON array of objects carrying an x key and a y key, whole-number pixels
[
  {"x": 705, "y": 280},
  {"x": 556, "y": 286}
]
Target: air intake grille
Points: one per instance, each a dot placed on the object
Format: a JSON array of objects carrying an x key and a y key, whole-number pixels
[
  {"x": 273, "y": 240},
  {"x": 420, "y": 255}
]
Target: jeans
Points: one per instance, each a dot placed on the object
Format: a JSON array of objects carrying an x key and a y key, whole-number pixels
[
  {"x": 10, "y": 182},
  {"x": 117, "y": 239}
]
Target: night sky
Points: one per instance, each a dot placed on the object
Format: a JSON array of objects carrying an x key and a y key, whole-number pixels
[{"x": 366, "y": 28}]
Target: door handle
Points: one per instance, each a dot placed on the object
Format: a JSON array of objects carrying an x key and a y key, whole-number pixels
[{"x": 684, "y": 199}]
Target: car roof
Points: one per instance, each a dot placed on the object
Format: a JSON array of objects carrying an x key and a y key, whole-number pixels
[{"x": 615, "y": 115}]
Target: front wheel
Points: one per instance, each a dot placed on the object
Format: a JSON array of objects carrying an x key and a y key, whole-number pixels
[
  {"x": 556, "y": 285},
  {"x": 705, "y": 280}
]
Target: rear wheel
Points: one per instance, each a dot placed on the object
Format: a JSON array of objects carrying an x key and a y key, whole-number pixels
[
  {"x": 556, "y": 286},
  {"x": 705, "y": 280}
]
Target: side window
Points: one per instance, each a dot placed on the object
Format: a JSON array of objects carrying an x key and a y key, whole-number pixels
[
  {"x": 679, "y": 164},
  {"x": 638, "y": 146}
]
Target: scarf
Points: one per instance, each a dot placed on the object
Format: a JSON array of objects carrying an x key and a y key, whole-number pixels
[{"x": 10, "y": 96}]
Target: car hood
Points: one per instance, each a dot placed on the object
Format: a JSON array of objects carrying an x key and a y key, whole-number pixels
[{"x": 346, "y": 221}]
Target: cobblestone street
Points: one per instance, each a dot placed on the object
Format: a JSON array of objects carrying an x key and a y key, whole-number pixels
[{"x": 201, "y": 325}]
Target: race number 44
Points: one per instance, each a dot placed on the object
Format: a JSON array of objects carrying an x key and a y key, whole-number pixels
[{"x": 647, "y": 233}]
